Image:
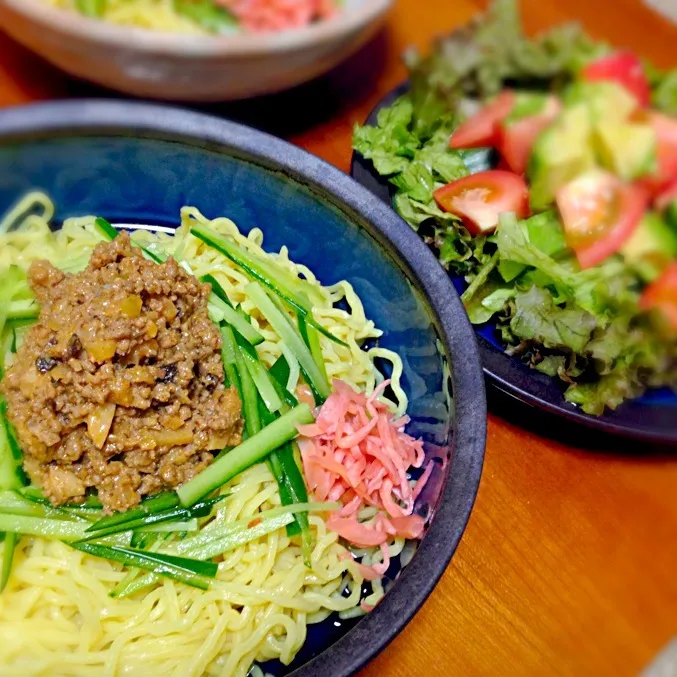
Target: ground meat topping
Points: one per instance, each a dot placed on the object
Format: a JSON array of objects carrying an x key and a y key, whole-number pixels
[{"x": 119, "y": 385}]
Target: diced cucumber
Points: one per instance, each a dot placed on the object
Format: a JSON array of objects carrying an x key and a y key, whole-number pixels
[{"x": 561, "y": 153}]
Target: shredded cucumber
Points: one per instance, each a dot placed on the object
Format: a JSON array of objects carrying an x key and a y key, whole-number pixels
[
  {"x": 294, "y": 291},
  {"x": 251, "y": 451},
  {"x": 218, "y": 538},
  {"x": 288, "y": 333}
]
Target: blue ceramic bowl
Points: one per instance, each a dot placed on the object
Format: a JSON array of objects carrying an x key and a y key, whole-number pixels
[
  {"x": 649, "y": 418},
  {"x": 134, "y": 163}
]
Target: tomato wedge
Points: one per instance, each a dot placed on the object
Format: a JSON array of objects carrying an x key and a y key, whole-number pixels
[
  {"x": 667, "y": 197},
  {"x": 661, "y": 295},
  {"x": 599, "y": 213},
  {"x": 516, "y": 139},
  {"x": 482, "y": 128},
  {"x": 665, "y": 128},
  {"x": 478, "y": 199},
  {"x": 625, "y": 69}
]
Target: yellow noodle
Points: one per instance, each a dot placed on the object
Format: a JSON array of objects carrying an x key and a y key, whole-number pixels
[
  {"x": 158, "y": 15},
  {"x": 56, "y": 615}
]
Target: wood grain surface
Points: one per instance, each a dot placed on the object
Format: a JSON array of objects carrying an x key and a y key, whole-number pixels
[{"x": 568, "y": 563}]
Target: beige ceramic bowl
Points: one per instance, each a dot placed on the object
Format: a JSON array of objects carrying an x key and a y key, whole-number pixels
[{"x": 188, "y": 67}]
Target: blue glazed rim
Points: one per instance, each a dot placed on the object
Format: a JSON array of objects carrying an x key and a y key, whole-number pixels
[
  {"x": 649, "y": 419},
  {"x": 112, "y": 118}
]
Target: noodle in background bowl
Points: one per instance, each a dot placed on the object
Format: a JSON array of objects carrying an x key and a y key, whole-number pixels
[
  {"x": 138, "y": 164},
  {"x": 189, "y": 67}
]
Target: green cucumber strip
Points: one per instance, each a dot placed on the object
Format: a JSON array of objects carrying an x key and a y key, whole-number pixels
[
  {"x": 274, "y": 463},
  {"x": 289, "y": 335},
  {"x": 297, "y": 494},
  {"x": 283, "y": 312},
  {"x": 106, "y": 229},
  {"x": 20, "y": 324},
  {"x": 91, "y": 8},
  {"x": 229, "y": 352},
  {"x": 275, "y": 467},
  {"x": 152, "y": 256},
  {"x": 173, "y": 515},
  {"x": 143, "y": 540},
  {"x": 312, "y": 340},
  {"x": 15, "y": 284},
  {"x": 291, "y": 485},
  {"x": 290, "y": 400},
  {"x": 236, "y": 539},
  {"x": 280, "y": 371},
  {"x": 12, "y": 475},
  {"x": 236, "y": 321},
  {"x": 218, "y": 528},
  {"x": 265, "y": 274},
  {"x": 212, "y": 549},
  {"x": 62, "y": 530},
  {"x": 3, "y": 322},
  {"x": 14, "y": 447},
  {"x": 11, "y": 540},
  {"x": 217, "y": 289},
  {"x": 150, "y": 506},
  {"x": 251, "y": 451},
  {"x": 91, "y": 502},
  {"x": 177, "y": 514},
  {"x": 182, "y": 569},
  {"x": 220, "y": 299},
  {"x": 19, "y": 330},
  {"x": 171, "y": 527},
  {"x": 250, "y": 409},
  {"x": 259, "y": 375},
  {"x": 280, "y": 375},
  {"x": 109, "y": 233},
  {"x": 23, "y": 309},
  {"x": 90, "y": 509},
  {"x": 207, "y": 544},
  {"x": 14, "y": 503},
  {"x": 206, "y": 13},
  {"x": 32, "y": 493},
  {"x": 73, "y": 265}
]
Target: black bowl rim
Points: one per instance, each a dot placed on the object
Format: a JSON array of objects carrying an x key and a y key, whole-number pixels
[
  {"x": 140, "y": 120},
  {"x": 506, "y": 373}
]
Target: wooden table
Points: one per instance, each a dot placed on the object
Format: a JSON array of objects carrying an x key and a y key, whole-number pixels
[{"x": 568, "y": 563}]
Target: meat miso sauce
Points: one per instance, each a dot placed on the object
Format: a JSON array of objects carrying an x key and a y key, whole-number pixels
[{"x": 119, "y": 385}]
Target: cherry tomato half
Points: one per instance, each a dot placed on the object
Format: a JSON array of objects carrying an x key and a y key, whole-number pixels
[
  {"x": 625, "y": 69},
  {"x": 478, "y": 199},
  {"x": 667, "y": 197},
  {"x": 661, "y": 295},
  {"x": 599, "y": 213},
  {"x": 516, "y": 139},
  {"x": 665, "y": 128},
  {"x": 482, "y": 128}
]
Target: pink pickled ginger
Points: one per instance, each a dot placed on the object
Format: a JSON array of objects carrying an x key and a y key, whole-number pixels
[
  {"x": 357, "y": 453},
  {"x": 278, "y": 15}
]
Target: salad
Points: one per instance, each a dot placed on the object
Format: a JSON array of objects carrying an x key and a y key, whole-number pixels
[
  {"x": 205, "y": 17},
  {"x": 544, "y": 171}
]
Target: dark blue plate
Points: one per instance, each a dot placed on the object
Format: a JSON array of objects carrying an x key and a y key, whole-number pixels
[
  {"x": 135, "y": 163},
  {"x": 652, "y": 417}
]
